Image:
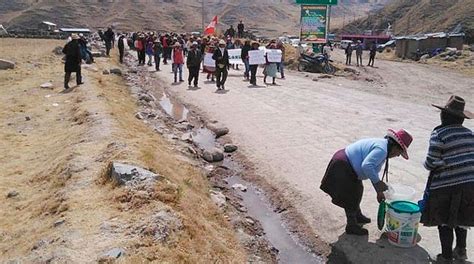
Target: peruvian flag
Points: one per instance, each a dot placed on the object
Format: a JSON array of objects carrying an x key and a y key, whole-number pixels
[{"x": 211, "y": 28}]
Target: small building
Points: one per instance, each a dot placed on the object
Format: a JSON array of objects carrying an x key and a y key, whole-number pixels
[
  {"x": 367, "y": 40},
  {"x": 69, "y": 31},
  {"x": 47, "y": 26},
  {"x": 408, "y": 47}
]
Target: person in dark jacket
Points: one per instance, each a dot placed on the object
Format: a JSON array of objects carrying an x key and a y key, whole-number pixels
[
  {"x": 73, "y": 61},
  {"x": 221, "y": 56},
  {"x": 245, "y": 58},
  {"x": 448, "y": 202},
  {"x": 359, "y": 50},
  {"x": 253, "y": 68},
  {"x": 240, "y": 29},
  {"x": 230, "y": 32},
  {"x": 373, "y": 51},
  {"x": 121, "y": 47},
  {"x": 157, "y": 51},
  {"x": 194, "y": 62},
  {"x": 109, "y": 36},
  {"x": 349, "y": 50}
]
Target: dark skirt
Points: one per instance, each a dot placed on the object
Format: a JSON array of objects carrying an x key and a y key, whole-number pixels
[
  {"x": 341, "y": 183},
  {"x": 452, "y": 206}
]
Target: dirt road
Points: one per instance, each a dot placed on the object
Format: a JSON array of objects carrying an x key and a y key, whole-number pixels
[{"x": 290, "y": 131}]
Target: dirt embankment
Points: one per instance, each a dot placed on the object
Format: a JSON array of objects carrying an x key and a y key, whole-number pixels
[{"x": 57, "y": 204}]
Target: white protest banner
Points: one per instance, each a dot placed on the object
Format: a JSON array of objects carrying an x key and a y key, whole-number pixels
[
  {"x": 235, "y": 56},
  {"x": 256, "y": 57},
  {"x": 274, "y": 55},
  {"x": 208, "y": 61}
]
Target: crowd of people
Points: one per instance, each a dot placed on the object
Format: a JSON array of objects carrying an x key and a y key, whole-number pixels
[{"x": 359, "y": 49}]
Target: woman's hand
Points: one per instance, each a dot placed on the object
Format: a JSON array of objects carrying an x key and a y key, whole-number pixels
[{"x": 380, "y": 197}]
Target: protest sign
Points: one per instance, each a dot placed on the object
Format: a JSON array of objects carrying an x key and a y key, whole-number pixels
[
  {"x": 274, "y": 55},
  {"x": 208, "y": 61},
  {"x": 256, "y": 57},
  {"x": 234, "y": 56}
]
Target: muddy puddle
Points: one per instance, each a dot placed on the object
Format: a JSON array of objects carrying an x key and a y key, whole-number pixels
[
  {"x": 290, "y": 251},
  {"x": 204, "y": 138},
  {"x": 174, "y": 109}
]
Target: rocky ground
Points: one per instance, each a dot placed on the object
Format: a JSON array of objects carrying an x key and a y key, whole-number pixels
[{"x": 88, "y": 176}]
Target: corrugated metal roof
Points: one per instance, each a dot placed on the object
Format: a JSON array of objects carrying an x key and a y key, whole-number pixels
[
  {"x": 83, "y": 30},
  {"x": 430, "y": 35},
  {"x": 367, "y": 36},
  {"x": 48, "y": 23}
]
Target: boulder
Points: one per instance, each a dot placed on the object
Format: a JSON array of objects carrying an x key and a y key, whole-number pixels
[
  {"x": 115, "y": 253},
  {"x": 146, "y": 97},
  {"x": 239, "y": 186},
  {"x": 425, "y": 57},
  {"x": 213, "y": 155},
  {"x": 139, "y": 116},
  {"x": 5, "y": 64},
  {"x": 106, "y": 72},
  {"x": 58, "y": 50},
  {"x": 47, "y": 85},
  {"x": 12, "y": 194},
  {"x": 219, "y": 131},
  {"x": 187, "y": 137},
  {"x": 116, "y": 71},
  {"x": 230, "y": 148},
  {"x": 161, "y": 225},
  {"x": 218, "y": 198},
  {"x": 450, "y": 58},
  {"x": 458, "y": 53},
  {"x": 125, "y": 174}
]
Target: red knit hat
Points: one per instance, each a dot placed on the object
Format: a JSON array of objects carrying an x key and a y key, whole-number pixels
[{"x": 403, "y": 138}]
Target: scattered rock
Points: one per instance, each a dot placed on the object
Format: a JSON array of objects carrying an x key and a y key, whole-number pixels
[
  {"x": 5, "y": 65},
  {"x": 39, "y": 244},
  {"x": 12, "y": 194},
  {"x": 130, "y": 174},
  {"x": 59, "y": 222},
  {"x": 27, "y": 118},
  {"x": 213, "y": 155},
  {"x": 306, "y": 75},
  {"x": 347, "y": 69},
  {"x": 425, "y": 57},
  {"x": 192, "y": 150},
  {"x": 315, "y": 79},
  {"x": 58, "y": 50},
  {"x": 230, "y": 148},
  {"x": 105, "y": 72},
  {"x": 458, "y": 53},
  {"x": 325, "y": 76},
  {"x": 187, "y": 137},
  {"x": 249, "y": 220},
  {"x": 115, "y": 253},
  {"x": 97, "y": 54},
  {"x": 116, "y": 71},
  {"x": 471, "y": 48},
  {"x": 218, "y": 198},
  {"x": 47, "y": 85},
  {"x": 139, "y": 116},
  {"x": 450, "y": 58},
  {"x": 146, "y": 97},
  {"x": 161, "y": 225},
  {"x": 239, "y": 186},
  {"x": 219, "y": 131},
  {"x": 369, "y": 79},
  {"x": 242, "y": 209}
]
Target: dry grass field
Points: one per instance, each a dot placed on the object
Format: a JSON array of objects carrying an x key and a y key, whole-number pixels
[{"x": 55, "y": 147}]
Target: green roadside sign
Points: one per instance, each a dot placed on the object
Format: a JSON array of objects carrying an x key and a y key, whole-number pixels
[{"x": 316, "y": 2}]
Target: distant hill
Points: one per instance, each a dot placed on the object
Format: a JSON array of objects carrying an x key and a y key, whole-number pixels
[
  {"x": 267, "y": 17},
  {"x": 420, "y": 16}
]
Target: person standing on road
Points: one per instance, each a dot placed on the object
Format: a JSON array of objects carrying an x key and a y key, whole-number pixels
[
  {"x": 281, "y": 65},
  {"x": 244, "y": 54},
  {"x": 109, "y": 36},
  {"x": 359, "y": 50},
  {"x": 140, "y": 47},
  {"x": 149, "y": 49},
  {"x": 253, "y": 68},
  {"x": 73, "y": 61},
  {"x": 177, "y": 59},
  {"x": 270, "y": 67},
  {"x": 373, "y": 51},
  {"x": 349, "y": 50},
  {"x": 359, "y": 161},
  {"x": 121, "y": 47},
  {"x": 210, "y": 70},
  {"x": 157, "y": 52},
  {"x": 221, "y": 56},
  {"x": 194, "y": 62},
  {"x": 240, "y": 29},
  {"x": 449, "y": 196}
]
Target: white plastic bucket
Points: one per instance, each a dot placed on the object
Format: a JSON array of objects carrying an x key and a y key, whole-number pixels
[
  {"x": 402, "y": 227},
  {"x": 399, "y": 192}
]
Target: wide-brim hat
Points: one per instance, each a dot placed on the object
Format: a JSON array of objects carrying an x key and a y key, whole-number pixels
[
  {"x": 455, "y": 106},
  {"x": 403, "y": 139},
  {"x": 177, "y": 44},
  {"x": 222, "y": 42},
  {"x": 74, "y": 36}
]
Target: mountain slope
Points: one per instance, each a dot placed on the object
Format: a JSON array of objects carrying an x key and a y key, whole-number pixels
[
  {"x": 420, "y": 16},
  {"x": 270, "y": 17}
]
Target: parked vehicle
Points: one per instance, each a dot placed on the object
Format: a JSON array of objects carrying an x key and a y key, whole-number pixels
[
  {"x": 319, "y": 63},
  {"x": 345, "y": 43}
]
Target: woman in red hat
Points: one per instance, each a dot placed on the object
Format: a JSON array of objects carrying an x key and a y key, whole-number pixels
[
  {"x": 449, "y": 197},
  {"x": 359, "y": 161}
]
